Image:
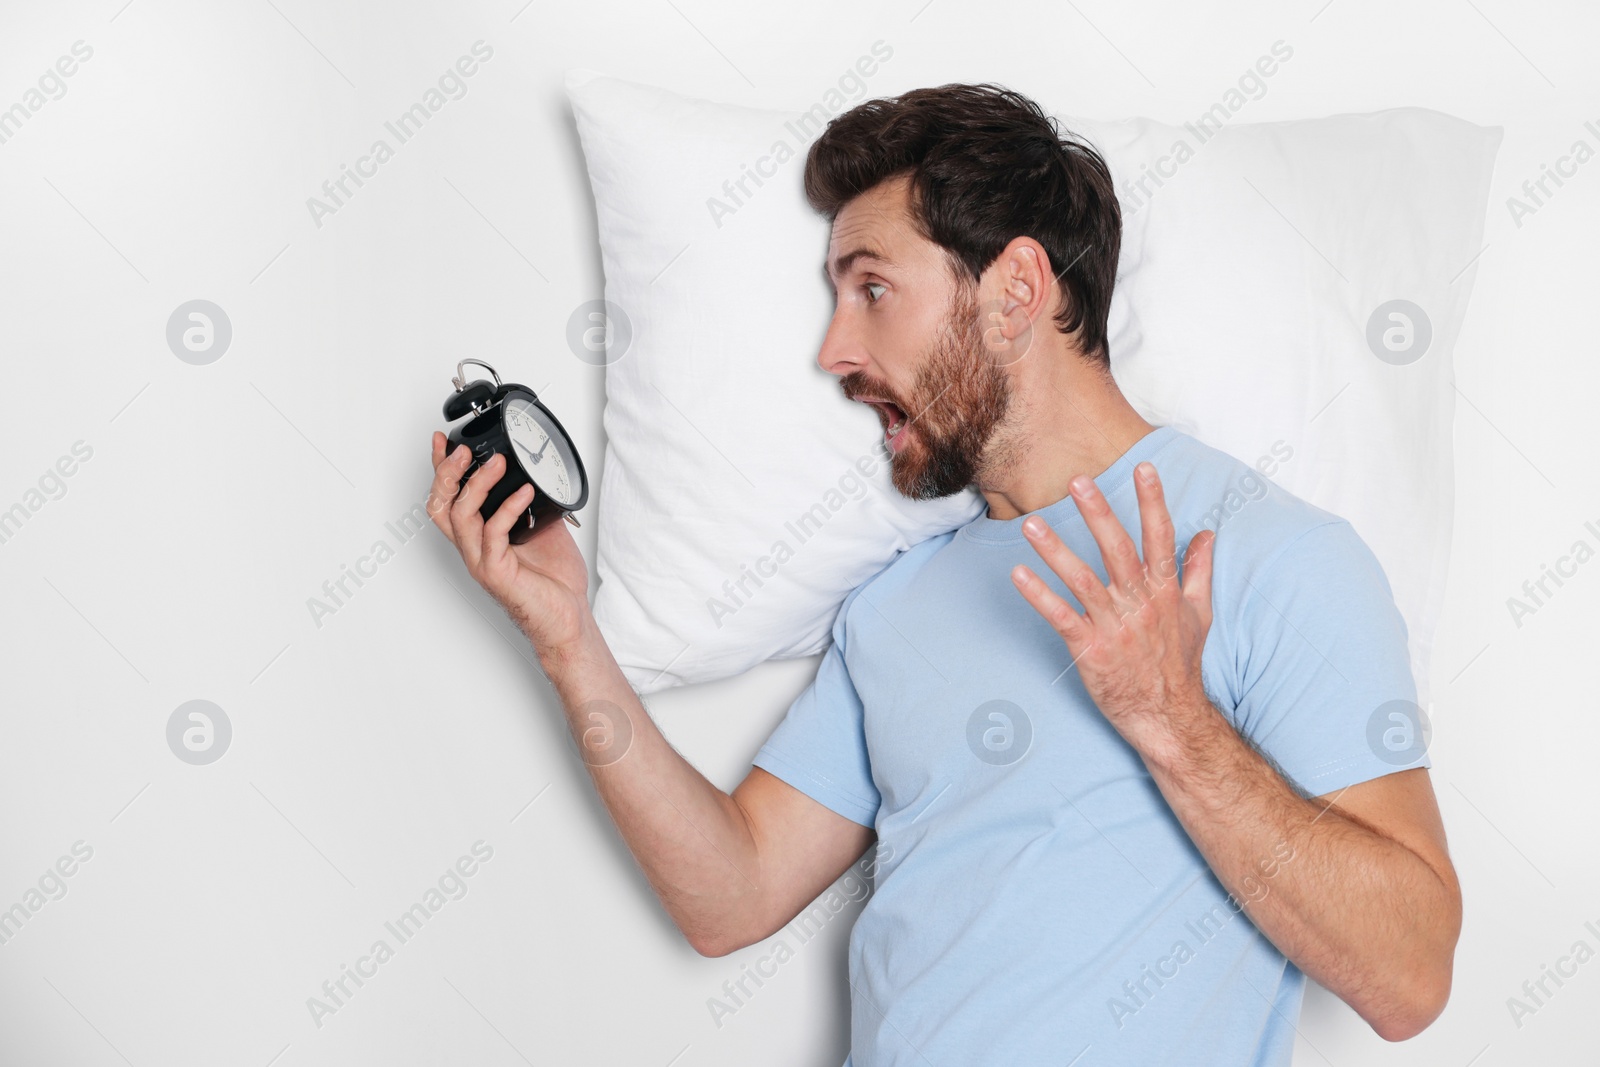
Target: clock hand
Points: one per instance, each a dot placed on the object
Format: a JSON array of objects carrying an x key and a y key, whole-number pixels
[{"x": 537, "y": 456}]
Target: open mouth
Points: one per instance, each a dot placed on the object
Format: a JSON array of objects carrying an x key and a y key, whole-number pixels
[{"x": 895, "y": 419}]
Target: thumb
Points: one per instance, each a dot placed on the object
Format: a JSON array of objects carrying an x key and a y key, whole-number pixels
[{"x": 1197, "y": 572}]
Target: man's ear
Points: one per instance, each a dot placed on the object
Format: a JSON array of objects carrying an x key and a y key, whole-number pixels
[
  {"x": 1029, "y": 282},
  {"x": 1022, "y": 282}
]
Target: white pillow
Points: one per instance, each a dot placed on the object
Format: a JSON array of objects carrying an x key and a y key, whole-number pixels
[
  {"x": 1226, "y": 322},
  {"x": 1262, "y": 316},
  {"x": 722, "y": 432}
]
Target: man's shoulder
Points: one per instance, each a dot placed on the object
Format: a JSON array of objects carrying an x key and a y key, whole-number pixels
[
  {"x": 1241, "y": 502},
  {"x": 901, "y": 570},
  {"x": 1265, "y": 533}
]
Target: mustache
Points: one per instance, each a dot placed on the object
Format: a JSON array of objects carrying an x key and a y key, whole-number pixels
[{"x": 856, "y": 383}]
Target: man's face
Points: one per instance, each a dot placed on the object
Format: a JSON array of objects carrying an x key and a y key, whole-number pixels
[{"x": 906, "y": 337}]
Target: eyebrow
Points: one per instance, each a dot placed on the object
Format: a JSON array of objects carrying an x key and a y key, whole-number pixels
[{"x": 844, "y": 262}]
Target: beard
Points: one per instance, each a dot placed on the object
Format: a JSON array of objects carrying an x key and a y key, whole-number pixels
[{"x": 956, "y": 403}]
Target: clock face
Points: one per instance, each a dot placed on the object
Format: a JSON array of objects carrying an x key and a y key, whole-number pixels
[{"x": 542, "y": 450}]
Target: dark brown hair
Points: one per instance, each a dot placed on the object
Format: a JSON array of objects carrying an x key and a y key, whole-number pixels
[{"x": 986, "y": 166}]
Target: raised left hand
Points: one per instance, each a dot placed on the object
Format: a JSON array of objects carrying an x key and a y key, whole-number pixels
[{"x": 1138, "y": 645}]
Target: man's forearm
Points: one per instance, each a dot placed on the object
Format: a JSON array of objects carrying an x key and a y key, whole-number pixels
[
  {"x": 690, "y": 838},
  {"x": 1362, "y": 914}
]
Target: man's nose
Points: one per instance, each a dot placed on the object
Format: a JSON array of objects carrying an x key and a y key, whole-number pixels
[{"x": 840, "y": 354}]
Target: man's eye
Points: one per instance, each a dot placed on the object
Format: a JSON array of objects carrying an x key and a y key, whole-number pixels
[{"x": 871, "y": 296}]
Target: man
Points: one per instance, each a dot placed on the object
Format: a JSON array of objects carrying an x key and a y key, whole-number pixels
[{"x": 1125, "y": 805}]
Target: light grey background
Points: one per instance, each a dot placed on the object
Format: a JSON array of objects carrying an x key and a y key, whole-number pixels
[{"x": 370, "y": 752}]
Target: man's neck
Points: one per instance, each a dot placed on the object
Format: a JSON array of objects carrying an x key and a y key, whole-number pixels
[{"x": 1056, "y": 439}]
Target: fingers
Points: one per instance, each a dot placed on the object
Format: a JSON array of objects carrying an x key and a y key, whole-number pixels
[
  {"x": 1079, "y": 577},
  {"x": 1057, "y": 612},
  {"x": 465, "y": 518},
  {"x": 447, "y": 472},
  {"x": 1197, "y": 567},
  {"x": 1156, "y": 527},
  {"x": 1123, "y": 568},
  {"x": 497, "y": 531}
]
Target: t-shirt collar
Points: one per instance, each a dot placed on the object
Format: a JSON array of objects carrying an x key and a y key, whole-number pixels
[{"x": 1002, "y": 531}]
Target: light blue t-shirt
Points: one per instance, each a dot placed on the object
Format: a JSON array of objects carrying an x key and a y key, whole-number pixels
[{"x": 1036, "y": 899}]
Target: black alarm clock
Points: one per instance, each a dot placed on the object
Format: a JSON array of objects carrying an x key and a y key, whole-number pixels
[{"x": 509, "y": 419}]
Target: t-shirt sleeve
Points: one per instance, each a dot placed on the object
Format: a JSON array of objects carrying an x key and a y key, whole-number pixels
[
  {"x": 1325, "y": 676},
  {"x": 820, "y": 747}
]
